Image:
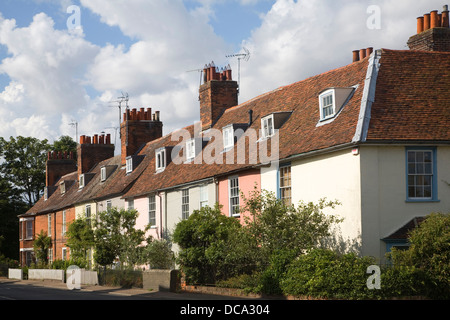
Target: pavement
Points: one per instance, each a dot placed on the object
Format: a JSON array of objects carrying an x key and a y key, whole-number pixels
[{"x": 118, "y": 291}]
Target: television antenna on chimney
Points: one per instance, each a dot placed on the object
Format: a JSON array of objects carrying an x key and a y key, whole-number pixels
[
  {"x": 115, "y": 133},
  {"x": 241, "y": 56},
  {"x": 120, "y": 100},
  {"x": 75, "y": 124}
]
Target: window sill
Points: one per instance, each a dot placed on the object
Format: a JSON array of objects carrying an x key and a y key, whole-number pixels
[{"x": 421, "y": 200}]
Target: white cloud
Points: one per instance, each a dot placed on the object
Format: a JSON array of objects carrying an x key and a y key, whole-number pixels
[{"x": 50, "y": 69}]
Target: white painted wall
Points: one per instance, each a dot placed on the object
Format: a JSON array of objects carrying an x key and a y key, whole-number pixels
[{"x": 385, "y": 209}]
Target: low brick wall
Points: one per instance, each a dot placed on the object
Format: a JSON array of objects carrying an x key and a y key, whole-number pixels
[{"x": 161, "y": 280}]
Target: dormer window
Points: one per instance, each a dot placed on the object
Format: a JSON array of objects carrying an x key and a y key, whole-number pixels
[
  {"x": 160, "y": 159},
  {"x": 332, "y": 100},
  {"x": 267, "y": 126},
  {"x": 129, "y": 166},
  {"x": 327, "y": 105},
  {"x": 81, "y": 184},
  {"x": 190, "y": 149},
  {"x": 103, "y": 174},
  {"x": 62, "y": 188},
  {"x": 228, "y": 137}
]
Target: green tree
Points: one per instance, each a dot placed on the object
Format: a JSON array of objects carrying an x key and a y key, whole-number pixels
[
  {"x": 65, "y": 143},
  {"x": 430, "y": 252},
  {"x": 80, "y": 239},
  {"x": 117, "y": 237},
  {"x": 11, "y": 205},
  {"x": 41, "y": 245},
  {"x": 158, "y": 254},
  {"x": 23, "y": 164},
  {"x": 205, "y": 242}
]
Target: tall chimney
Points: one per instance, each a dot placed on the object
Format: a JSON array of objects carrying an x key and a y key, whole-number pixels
[
  {"x": 218, "y": 93},
  {"x": 433, "y": 32},
  {"x": 91, "y": 151},
  {"x": 137, "y": 129},
  {"x": 58, "y": 164}
]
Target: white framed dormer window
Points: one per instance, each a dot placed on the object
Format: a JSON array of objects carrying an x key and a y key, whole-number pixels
[
  {"x": 103, "y": 174},
  {"x": 62, "y": 188},
  {"x": 129, "y": 165},
  {"x": 160, "y": 159},
  {"x": 190, "y": 150},
  {"x": 81, "y": 181},
  {"x": 228, "y": 137},
  {"x": 267, "y": 126},
  {"x": 327, "y": 105}
]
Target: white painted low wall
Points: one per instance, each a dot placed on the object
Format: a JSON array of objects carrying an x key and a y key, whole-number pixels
[
  {"x": 15, "y": 274},
  {"x": 89, "y": 277},
  {"x": 46, "y": 274}
]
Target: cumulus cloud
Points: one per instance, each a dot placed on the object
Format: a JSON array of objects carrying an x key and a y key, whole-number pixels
[{"x": 52, "y": 70}]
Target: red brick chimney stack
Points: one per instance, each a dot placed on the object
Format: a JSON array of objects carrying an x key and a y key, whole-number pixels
[
  {"x": 93, "y": 150},
  {"x": 433, "y": 32},
  {"x": 218, "y": 93},
  {"x": 138, "y": 128},
  {"x": 58, "y": 164}
]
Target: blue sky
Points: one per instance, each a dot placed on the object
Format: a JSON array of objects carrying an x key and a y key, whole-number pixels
[{"x": 51, "y": 76}]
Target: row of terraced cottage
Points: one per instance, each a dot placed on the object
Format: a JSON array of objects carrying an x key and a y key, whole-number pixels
[{"x": 374, "y": 135}]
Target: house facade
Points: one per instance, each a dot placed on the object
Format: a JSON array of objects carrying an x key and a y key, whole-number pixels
[{"x": 373, "y": 135}]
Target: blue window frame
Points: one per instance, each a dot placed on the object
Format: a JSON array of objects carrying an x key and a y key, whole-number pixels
[{"x": 421, "y": 174}]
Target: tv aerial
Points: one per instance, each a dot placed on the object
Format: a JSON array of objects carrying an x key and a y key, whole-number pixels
[
  {"x": 240, "y": 56},
  {"x": 120, "y": 100},
  {"x": 75, "y": 124}
]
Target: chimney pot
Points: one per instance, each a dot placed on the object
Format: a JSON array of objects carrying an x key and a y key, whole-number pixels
[
  {"x": 355, "y": 55},
  {"x": 419, "y": 25},
  {"x": 434, "y": 19},
  {"x": 445, "y": 17},
  {"x": 157, "y": 114},
  {"x": 82, "y": 139},
  {"x": 426, "y": 21},
  {"x": 95, "y": 139},
  {"x": 362, "y": 54},
  {"x": 369, "y": 51}
]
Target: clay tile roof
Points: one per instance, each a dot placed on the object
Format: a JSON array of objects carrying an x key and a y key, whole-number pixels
[
  {"x": 412, "y": 100},
  {"x": 299, "y": 134}
]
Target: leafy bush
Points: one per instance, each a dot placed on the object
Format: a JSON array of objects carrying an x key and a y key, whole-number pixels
[{"x": 323, "y": 273}]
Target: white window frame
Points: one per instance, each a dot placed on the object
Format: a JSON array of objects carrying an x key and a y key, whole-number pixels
[
  {"x": 64, "y": 222},
  {"x": 185, "y": 204},
  {"x": 152, "y": 210},
  {"x": 130, "y": 204},
  {"x": 228, "y": 137},
  {"x": 322, "y": 97},
  {"x": 49, "y": 225},
  {"x": 268, "y": 126},
  {"x": 129, "y": 165},
  {"x": 203, "y": 196},
  {"x": 103, "y": 174},
  {"x": 63, "y": 254},
  {"x": 160, "y": 160},
  {"x": 88, "y": 213},
  {"x": 108, "y": 205},
  {"x": 81, "y": 186},
  {"x": 233, "y": 195},
  {"x": 29, "y": 229},
  {"x": 190, "y": 149},
  {"x": 62, "y": 187}
]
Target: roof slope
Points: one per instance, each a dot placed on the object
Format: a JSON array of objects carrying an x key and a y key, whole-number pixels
[
  {"x": 412, "y": 100},
  {"x": 301, "y": 133}
]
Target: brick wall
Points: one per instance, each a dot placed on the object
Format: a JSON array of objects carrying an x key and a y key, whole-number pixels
[{"x": 436, "y": 39}]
